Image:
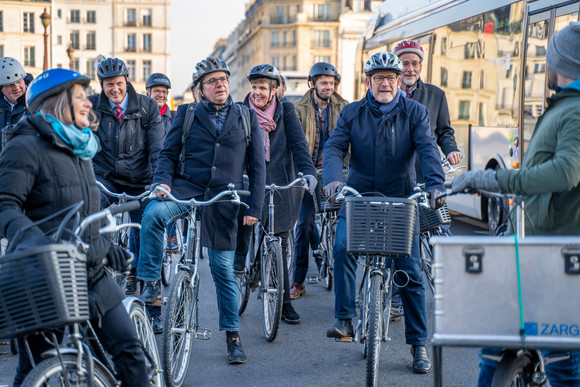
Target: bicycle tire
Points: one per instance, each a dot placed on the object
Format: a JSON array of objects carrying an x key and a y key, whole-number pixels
[
  {"x": 511, "y": 371},
  {"x": 49, "y": 372},
  {"x": 427, "y": 261},
  {"x": 272, "y": 289},
  {"x": 140, "y": 319},
  {"x": 180, "y": 320},
  {"x": 328, "y": 264},
  {"x": 290, "y": 252},
  {"x": 166, "y": 269},
  {"x": 243, "y": 281},
  {"x": 375, "y": 331}
]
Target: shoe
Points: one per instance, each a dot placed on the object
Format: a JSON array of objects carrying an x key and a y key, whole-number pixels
[
  {"x": 297, "y": 290},
  {"x": 397, "y": 311},
  {"x": 236, "y": 353},
  {"x": 131, "y": 282},
  {"x": 151, "y": 293},
  {"x": 171, "y": 245},
  {"x": 239, "y": 264},
  {"x": 421, "y": 362},
  {"x": 289, "y": 315},
  {"x": 157, "y": 323},
  {"x": 342, "y": 329}
]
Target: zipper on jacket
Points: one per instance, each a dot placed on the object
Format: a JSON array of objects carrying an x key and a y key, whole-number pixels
[{"x": 393, "y": 140}]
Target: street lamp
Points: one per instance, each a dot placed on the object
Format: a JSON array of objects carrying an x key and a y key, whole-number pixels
[
  {"x": 70, "y": 51},
  {"x": 45, "y": 19}
]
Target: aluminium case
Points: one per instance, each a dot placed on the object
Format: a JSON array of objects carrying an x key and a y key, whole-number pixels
[{"x": 476, "y": 292}]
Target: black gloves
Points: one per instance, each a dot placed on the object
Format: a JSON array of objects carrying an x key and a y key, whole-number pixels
[
  {"x": 330, "y": 188},
  {"x": 434, "y": 200},
  {"x": 480, "y": 180},
  {"x": 119, "y": 259}
]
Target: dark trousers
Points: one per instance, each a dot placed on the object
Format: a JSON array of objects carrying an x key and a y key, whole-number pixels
[
  {"x": 307, "y": 236},
  {"x": 117, "y": 334}
]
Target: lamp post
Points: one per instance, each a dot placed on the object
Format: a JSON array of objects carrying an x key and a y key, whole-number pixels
[
  {"x": 45, "y": 19},
  {"x": 70, "y": 51}
]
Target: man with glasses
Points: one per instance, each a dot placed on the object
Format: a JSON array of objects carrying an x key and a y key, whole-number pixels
[
  {"x": 13, "y": 83},
  {"x": 383, "y": 132},
  {"x": 317, "y": 111},
  {"x": 215, "y": 153}
]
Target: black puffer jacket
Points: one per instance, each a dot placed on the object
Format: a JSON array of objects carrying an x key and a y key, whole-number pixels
[
  {"x": 130, "y": 147},
  {"x": 39, "y": 176}
]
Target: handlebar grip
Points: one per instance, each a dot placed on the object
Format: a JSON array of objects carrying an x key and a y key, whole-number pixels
[
  {"x": 448, "y": 184},
  {"x": 126, "y": 207},
  {"x": 243, "y": 193}
]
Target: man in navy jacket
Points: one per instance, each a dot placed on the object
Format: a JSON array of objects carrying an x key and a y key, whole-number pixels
[{"x": 384, "y": 130}]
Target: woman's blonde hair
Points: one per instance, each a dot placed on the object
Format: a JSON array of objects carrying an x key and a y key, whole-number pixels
[{"x": 57, "y": 105}]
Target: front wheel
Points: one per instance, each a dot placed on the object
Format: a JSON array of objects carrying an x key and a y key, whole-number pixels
[
  {"x": 272, "y": 288},
  {"x": 427, "y": 261},
  {"x": 53, "y": 372},
  {"x": 375, "y": 328},
  {"x": 180, "y": 320},
  {"x": 514, "y": 370},
  {"x": 328, "y": 263},
  {"x": 140, "y": 319}
]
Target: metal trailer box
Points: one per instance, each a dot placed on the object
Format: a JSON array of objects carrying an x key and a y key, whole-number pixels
[{"x": 476, "y": 292}]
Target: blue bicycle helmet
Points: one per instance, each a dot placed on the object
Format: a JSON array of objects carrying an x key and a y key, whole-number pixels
[
  {"x": 208, "y": 66},
  {"x": 52, "y": 82},
  {"x": 111, "y": 67},
  {"x": 265, "y": 71}
]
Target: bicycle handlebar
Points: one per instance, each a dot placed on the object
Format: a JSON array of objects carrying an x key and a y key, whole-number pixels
[
  {"x": 292, "y": 184},
  {"x": 343, "y": 189},
  {"x": 195, "y": 203},
  {"x": 122, "y": 196}
]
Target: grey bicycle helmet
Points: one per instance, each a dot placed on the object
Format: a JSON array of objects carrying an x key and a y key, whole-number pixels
[
  {"x": 383, "y": 61},
  {"x": 111, "y": 67},
  {"x": 11, "y": 71},
  {"x": 322, "y": 68},
  {"x": 207, "y": 66},
  {"x": 158, "y": 79},
  {"x": 265, "y": 71}
]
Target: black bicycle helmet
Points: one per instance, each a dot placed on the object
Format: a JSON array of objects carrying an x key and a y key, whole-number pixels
[
  {"x": 265, "y": 71},
  {"x": 11, "y": 71},
  {"x": 158, "y": 79},
  {"x": 207, "y": 66},
  {"x": 111, "y": 67},
  {"x": 382, "y": 61},
  {"x": 322, "y": 68}
]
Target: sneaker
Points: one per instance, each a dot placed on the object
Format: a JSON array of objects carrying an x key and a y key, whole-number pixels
[
  {"x": 289, "y": 315},
  {"x": 297, "y": 290},
  {"x": 239, "y": 264},
  {"x": 157, "y": 324},
  {"x": 340, "y": 330},
  {"x": 171, "y": 245},
  {"x": 236, "y": 353},
  {"x": 152, "y": 292},
  {"x": 131, "y": 282}
]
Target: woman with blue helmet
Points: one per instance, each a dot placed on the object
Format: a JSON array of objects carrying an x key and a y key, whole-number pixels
[{"x": 45, "y": 167}]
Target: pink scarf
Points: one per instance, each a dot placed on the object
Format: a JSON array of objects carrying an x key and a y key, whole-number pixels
[{"x": 266, "y": 121}]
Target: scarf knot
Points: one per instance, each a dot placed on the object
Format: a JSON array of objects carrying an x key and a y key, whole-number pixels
[{"x": 266, "y": 122}]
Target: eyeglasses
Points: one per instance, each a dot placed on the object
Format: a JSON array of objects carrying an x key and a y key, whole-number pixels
[
  {"x": 214, "y": 81},
  {"x": 162, "y": 92},
  {"x": 379, "y": 79},
  {"x": 414, "y": 63}
]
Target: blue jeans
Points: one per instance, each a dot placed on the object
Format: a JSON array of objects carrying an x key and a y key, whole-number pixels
[
  {"x": 412, "y": 295},
  {"x": 157, "y": 215},
  {"x": 306, "y": 236},
  {"x": 561, "y": 373}
]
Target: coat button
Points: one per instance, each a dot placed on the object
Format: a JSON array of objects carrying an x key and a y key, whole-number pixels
[
  {"x": 217, "y": 145},
  {"x": 213, "y": 168},
  {"x": 207, "y": 190}
]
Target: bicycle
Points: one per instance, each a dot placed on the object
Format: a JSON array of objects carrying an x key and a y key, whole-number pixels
[
  {"x": 55, "y": 297},
  {"x": 379, "y": 230},
  {"x": 181, "y": 304},
  {"x": 264, "y": 267}
]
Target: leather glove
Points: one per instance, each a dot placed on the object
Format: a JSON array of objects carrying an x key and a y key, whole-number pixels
[
  {"x": 480, "y": 180},
  {"x": 312, "y": 183},
  {"x": 119, "y": 259},
  {"x": 330, "y": 188},
  {"x": 434, "y": 200}
]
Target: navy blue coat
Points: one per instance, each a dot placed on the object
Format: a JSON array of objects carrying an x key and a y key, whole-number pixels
[
  {"x": 9, "y": 115},
  {"x": 213, "y": 161},
  {"x": 382, "y": 148}
]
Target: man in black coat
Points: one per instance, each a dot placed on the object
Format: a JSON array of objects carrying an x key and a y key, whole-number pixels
[
  {"x": 131, "y": 135},
  {"x": 13, "y": 83},
  {"x": 215, "y": 153}
]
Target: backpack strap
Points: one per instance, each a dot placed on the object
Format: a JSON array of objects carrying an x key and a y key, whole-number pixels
[
  {"x": 245, "y": 113},
  {"x": 187, "y": 123}
]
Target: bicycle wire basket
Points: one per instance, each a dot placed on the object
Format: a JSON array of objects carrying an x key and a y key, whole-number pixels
[
  {"x": 41, "y": 288},
  {"x": 380, "y": 226},
  {"x": 430, "y": 219},
  {"x": 321, "y": 204}
]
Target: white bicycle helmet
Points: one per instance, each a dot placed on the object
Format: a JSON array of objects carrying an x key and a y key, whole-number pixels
[
  {"x": 11, "y": 71},
  {"x": 382, "y": 61}
]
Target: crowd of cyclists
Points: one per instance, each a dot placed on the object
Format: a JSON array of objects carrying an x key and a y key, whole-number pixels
[{"x": 58, "y": 141}]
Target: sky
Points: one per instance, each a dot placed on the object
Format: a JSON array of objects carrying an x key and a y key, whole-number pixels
[{"x": 195, "y": 27}]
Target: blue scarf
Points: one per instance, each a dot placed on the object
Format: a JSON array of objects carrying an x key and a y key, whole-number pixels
[
  {"x": 83, "y": 142},
  {"x": 384, "y": 108}
]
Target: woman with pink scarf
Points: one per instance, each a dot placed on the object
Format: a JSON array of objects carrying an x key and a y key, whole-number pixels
[{"x": 286, "y": 152}]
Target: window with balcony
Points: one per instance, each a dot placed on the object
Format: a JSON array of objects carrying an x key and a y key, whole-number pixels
[
  {"x": 29, "y": 56},
  {"x": 321, "y": 11},
  {"x": 131, "y": 68},
  {"x": 444, "y": 45},
  {"x": 131, "y": 42},
  {"x": 75, "y": 16},
  {"x": 146, "y": 69},
  {"x": 91, "y": 69},
  {"x": 276, "y": 61},
  {"x": 469, "y": 50},
  {"x": 321, "y": 39},
  {"x": 28, "y": 22},
  {"x": 275, "y": 39},
  {"x": 464, "y": 107},
  {"x": 131, "y": 17},
  {"x": 444, "y": 77},
  {"x": 321, "y": 58},
  {"x": 146, "y": 17},
  {"x": 91, "y": 40},
  {"x": 279, "y": 14},
  {"x": 74, "y": 39},
  {"x": 147, "y": 42},
  {"x": 91, "y": 17},
  {"x": 466, "y": 81},
  {"x": 75, "y": 65}
]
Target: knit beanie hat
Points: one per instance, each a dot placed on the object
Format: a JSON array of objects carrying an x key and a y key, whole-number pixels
[{"x": 563, "y": 54}]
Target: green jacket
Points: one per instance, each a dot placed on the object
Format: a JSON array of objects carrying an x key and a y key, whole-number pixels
[{"x": 550, "y": 173}]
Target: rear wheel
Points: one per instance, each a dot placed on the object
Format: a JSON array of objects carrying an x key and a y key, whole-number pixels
[
  {"x": 145, "y": 333},
  {"x": 272, "y": 288},
  {"x": 328, "y": 263},
  {"x": 243, "y": 281},
  {"x": 514, "y": 371},
  {"x": 375, "y": 328},
  {"x": 427, "y": 260},
  {"x": 51, "y": 372}
]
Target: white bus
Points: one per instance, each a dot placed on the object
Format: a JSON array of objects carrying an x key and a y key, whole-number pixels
[{"x": 489, "y": 56}]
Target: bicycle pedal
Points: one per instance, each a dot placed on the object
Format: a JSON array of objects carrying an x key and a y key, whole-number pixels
[
  {"x": 313, "y": 279},
  {"x": 203, "y": 334},
  {"x": 345, "y": 339}
]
